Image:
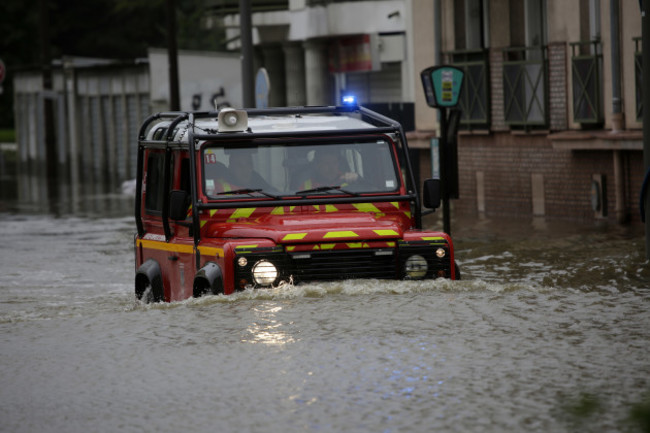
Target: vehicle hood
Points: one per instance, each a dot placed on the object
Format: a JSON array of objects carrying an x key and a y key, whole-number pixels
[{"x": 309, "y": 228}]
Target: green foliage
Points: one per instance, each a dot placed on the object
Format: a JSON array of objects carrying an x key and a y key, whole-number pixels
[{"x": 7, "y": 135}]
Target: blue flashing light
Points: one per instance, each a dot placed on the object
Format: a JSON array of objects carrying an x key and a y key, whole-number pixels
[{"x": 349, "y": 100}]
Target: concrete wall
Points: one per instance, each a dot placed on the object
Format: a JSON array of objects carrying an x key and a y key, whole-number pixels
[{"x": 201, "y": 75}]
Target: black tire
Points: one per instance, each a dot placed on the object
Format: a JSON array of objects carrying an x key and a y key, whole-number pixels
[
  {"x": 208, "y": 281},
  {"x": 148, "y": 282}
]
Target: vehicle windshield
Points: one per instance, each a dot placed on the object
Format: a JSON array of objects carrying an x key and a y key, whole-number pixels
[{"x": 299, "y": 169}]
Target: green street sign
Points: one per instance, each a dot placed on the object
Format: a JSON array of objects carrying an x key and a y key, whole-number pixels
[{"x": 442, "y": 85}]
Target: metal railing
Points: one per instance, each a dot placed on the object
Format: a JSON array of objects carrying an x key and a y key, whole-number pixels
[
  {"x": 586, "y": 66},
  {"x": 474, "y": 97},
  {"x": 525, "y": 86}
]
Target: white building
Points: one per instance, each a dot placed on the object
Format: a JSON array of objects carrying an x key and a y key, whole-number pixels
[{"x": 314, "y": 51}]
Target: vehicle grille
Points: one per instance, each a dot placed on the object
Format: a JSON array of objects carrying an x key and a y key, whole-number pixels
[{"x": 344, "y": 264}]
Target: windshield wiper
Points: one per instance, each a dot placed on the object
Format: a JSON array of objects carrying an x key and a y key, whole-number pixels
[
  {"x": 248, "y": 191},
  {"x": 325, "y": 189}
]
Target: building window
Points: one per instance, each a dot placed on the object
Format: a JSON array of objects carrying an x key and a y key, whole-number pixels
[
  {"x": 525, "y": 66},
  {"x": 470, "y": 55},
  {"x": 474, "y": 97},
  {"x": 586, "y": 67},
  {"x": 524, "y": 86}
]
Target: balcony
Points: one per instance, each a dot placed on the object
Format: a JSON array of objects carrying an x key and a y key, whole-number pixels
[
  {"x": 586, "y": 66},
  {"x": 474, "y": 97},
  {"x": 525, "y": 86}
]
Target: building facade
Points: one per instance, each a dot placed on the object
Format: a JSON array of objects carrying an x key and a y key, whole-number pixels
[
  {"x": 551, "y": 106},
  {"x": 315, "y": 51}
]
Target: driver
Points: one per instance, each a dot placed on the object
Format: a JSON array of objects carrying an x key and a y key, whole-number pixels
[{"x": 328, "y": 171}]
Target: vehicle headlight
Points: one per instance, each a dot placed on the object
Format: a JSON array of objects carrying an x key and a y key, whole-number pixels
[
  {"x": 264, "y": 273},
  {"x": 416, "y": 267},
  {"x": 440, "y": 252}
]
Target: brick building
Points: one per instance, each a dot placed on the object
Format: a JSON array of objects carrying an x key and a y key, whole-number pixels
[{"x": 551, "y": 122}]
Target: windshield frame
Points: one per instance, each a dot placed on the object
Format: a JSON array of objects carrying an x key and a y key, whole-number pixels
[{"x": 355, "y": 145}]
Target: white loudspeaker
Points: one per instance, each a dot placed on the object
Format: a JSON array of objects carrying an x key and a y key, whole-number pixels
[{"x": 231, "y": 120}]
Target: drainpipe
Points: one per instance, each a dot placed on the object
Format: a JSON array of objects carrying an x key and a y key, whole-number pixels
[
  {"x": 645, "y": 53},
  {"x": 246, "y": 32},
  {"x": 618, "y": 120},
  {"x": 172, "y": 57},
  {"x": 437, "y": 28}
]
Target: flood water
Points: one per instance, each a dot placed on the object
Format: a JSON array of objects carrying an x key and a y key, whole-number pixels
[{"x": 548, "y": 331}]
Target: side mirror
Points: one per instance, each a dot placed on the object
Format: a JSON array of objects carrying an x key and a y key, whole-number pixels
[
  {"x": 431, "y": 193},
  {"x": 178, "y": 205}
]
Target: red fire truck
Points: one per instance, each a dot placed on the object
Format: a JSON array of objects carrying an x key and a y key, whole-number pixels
[{"x": 246, "y": 199}]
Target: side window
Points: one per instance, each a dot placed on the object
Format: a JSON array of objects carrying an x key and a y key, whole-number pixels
[
  {"x": 155, "y": 185},
  {"x": 184, "y": 181}
]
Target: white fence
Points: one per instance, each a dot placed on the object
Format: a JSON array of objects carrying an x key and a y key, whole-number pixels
[{"x": 98, "y": 109}]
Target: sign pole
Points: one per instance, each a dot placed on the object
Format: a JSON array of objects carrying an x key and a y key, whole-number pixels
[
  {"x": 442, "y": 87},
  {"x": 444, "y": 172}
]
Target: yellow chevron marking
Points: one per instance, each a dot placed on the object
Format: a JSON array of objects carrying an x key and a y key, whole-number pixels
[
  {"x": 366, "y": 207},
  {"x": 395, "y": 203},
  {"x": 203, "y": 223},
  {"x": 330, "y": 208},
  {"x": 278, "y": 211},
  {"x": 341, "y": 234},
  {"x": 386, "y": 232},
  {"x": 294, "y": 236},
  {"x": 357, "y": 245},
  {"x": 245, "y": 247},
  {"x": 432, "y": 238},
  {"x": 291, "y": 248},
  {"x": 212, "y": 212},
  {"x": 390, "y": 244},
  {"x": 327, "y": 246},
  {"x": 242, "y": 212}
]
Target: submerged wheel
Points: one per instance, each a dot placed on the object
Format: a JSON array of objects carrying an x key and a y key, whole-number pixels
[
  {"x": 456, "y": 270},
  {"x": 208, "y": 281},
  {"x": 148, "y": 282}
]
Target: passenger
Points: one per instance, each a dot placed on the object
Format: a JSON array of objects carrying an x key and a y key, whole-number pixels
[
  {"x": 215, "y": 177},
  {"x": 241, "y": 173},
  {"x": 328, "y": 170}
]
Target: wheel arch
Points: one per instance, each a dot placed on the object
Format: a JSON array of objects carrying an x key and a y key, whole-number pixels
[
  {"x": 149, "y": 274},
  {"x": 209, "y": 279}
]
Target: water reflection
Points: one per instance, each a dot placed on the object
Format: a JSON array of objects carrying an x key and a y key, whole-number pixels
[
  {"x": 267, "y": 327},
  {"x": 90, "y": 197}
]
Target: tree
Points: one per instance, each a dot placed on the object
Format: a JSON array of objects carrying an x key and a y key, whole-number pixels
[{"x": 115, "y": 29}]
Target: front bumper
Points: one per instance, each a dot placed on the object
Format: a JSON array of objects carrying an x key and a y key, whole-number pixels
[{"x": 346, "y": 263}]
